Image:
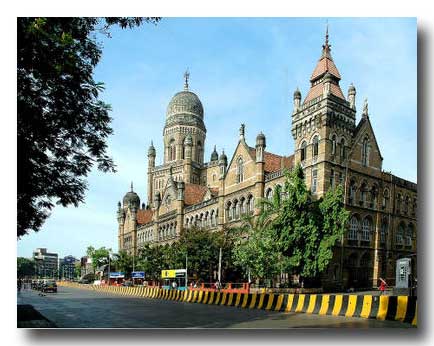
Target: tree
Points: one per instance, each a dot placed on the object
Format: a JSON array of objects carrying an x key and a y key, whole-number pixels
[
  {"x": 258, "y": 250},
  {"x": 123, "y": 262},
  {"x": 99, "y": 256},
  {"x": 308, "y": 230},
  {"x": 77, "y": 269},
  {"x": 62, "y": 124},
  {"x": 25, "y": 267}
]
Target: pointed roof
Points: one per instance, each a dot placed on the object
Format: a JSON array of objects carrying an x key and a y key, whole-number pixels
[
  {"x": 325, "y": 68},
  {"x": 194, "y": 193},
  {"x": 274, "y": 162}
]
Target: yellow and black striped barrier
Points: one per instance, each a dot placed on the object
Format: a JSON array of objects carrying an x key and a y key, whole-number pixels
[{"x": 396, "y": 308}]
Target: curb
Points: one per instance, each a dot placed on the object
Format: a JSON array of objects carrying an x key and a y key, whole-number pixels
[{"x": 392, "y": 308}]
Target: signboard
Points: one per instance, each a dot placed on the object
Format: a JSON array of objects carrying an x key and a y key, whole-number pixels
[
  {"x": 138, "y": 275},
  {"x": 168, "y": 273},
  {"x": 116, "y": 275}
]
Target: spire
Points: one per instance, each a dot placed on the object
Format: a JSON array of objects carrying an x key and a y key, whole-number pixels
[
  {"x": 132, "y": 186},
  {"x": 186, "y": 77}
]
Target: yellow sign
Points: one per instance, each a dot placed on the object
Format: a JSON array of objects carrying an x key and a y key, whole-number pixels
[{"x": 168, "y": 273}]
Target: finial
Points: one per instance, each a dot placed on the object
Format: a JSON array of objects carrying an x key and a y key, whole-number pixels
[
  {"x": 327, "y": 33},
  {"x": 152, "y": 143},
  {"x": 365, "y": 108},
  {"x": 131, "y": 186},
  {"x": 186, "y": 77},
  {"x": 326, "y": 46},
  {"x": 242, "y": 127},
  {"x": 215, "y": 147}
]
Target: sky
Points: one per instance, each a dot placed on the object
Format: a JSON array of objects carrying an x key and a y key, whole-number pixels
[{"x": 244, "y": 70}]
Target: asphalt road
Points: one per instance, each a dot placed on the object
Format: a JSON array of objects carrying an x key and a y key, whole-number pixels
[{"x": 79, "y": 308}]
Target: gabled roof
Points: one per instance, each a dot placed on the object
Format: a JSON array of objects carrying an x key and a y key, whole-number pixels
[
  {"x": 194, "y": 193},
  {"x": 363, "y": 123},
  {"x": 144, "y": 216}
]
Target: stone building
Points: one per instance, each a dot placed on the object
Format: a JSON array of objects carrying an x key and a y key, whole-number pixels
[{"x": 332, "y": 147}]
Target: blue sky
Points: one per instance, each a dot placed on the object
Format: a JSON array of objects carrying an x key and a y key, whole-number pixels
[{"x": 244, "y": 71}]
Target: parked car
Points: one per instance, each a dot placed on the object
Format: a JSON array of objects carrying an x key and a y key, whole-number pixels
[{"x": 49, "y": 286}]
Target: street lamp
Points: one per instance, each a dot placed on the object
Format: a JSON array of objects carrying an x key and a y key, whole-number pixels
[{"x": 108, "y": 273}]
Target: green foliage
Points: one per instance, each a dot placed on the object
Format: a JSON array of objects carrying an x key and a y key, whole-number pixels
[
  {"x": 77, "y": 269},
  {"x": 199, "y": 245},
  {"x": 25, "y": 267},
  {"x": 294, "y": 234},
  {"x": 122, "y": 262},
  {"x": 62, "y": 125},
  {"x": 258, "y": 251},
  {"x": 99, "y": 256}
]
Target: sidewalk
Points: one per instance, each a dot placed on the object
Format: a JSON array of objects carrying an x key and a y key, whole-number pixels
[{"x": 29, "y": 317}]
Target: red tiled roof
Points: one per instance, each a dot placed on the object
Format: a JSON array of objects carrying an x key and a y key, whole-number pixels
[
  {"x": 194, "y": 193},
  {"x": 325, "y": 64},
  {"x": 317, "y": 90},
  {"x": 273, "y": 162},
  {"x": 144, "y": 216}
]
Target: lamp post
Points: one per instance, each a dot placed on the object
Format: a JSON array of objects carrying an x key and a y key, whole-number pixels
[{"x": 108, "y": 273}]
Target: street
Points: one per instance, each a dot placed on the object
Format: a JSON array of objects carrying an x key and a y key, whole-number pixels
[{"x": 80, "y": 308}]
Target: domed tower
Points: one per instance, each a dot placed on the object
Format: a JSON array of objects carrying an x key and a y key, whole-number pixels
[{"x": 184, "y": 117}]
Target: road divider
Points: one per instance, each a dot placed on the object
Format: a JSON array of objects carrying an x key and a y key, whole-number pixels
[{"x": 395, "y": 308}]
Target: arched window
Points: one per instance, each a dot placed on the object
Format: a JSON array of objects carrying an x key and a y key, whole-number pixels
[
  {"x": 406, "y": 204},
  {"x": 386, "y": 198},
  {"x": 399, "y": 239},
  {"x": 250, "y": 204},
  {"x": 229, "y": 211},
  {"x": 242, "y": 206},
  {"x": 315, "y": 143},
  {"x": 172, "y": 150},
  {"x": 365, "y": 151},
  {"x": 236, "y": 207},
  {"x": 354, "y": 227},
  {"x": 366, "y": 230},
  {"x": 409, "y": 235},
  {"x": 353, "y": 189},
  {"x": 334, "y": 145},
  {"x": 199, "y": 152},
  {"x": 303, "y": 151},
  {"x": 374, "y": 194},
  {"x": 384, "y": 231},
  {"x": 240, "y": 172},
  {"x": 269, "y": 194},
  {"x": 364, "y": 195},
  {"x": 398, "y": 203},
  {"x": 314, "y": 180},
  {"x": 343, "y": 149}
]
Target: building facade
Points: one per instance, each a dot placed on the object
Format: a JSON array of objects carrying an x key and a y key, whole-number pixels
[
  {"x": 47, "y": 264},
  {"x": 67, "y": 267},
  {"x": 330, "y": 144}
]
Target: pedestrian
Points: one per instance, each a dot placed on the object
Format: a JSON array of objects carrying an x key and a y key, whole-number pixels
[{"x": 383, "y": 286}]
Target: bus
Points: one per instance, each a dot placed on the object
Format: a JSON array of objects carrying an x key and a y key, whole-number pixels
[{"x": 179, "y": 276}]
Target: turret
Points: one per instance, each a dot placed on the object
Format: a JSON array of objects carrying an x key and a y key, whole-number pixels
[
  {"x": 365, "y": 113},
  {"x": 297, "y": 101},
  {"x": 214, "y": 155},
  {"x": 260, "y": 147},
  {"x": 352, "y": 96},
  {"x": 223, "y": 162},
  {"x": 151, "y": 156}
]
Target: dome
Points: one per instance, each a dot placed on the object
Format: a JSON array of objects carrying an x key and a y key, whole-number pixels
[
  {"x": 214, "y": 155},
  {"x": 352, "y": 88},
  {"x": 185, "y": 102},
  {"x": 223, "y": 158},
  {"x": 151, "y": 150},
  {"x": 131, "y": 198}
]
